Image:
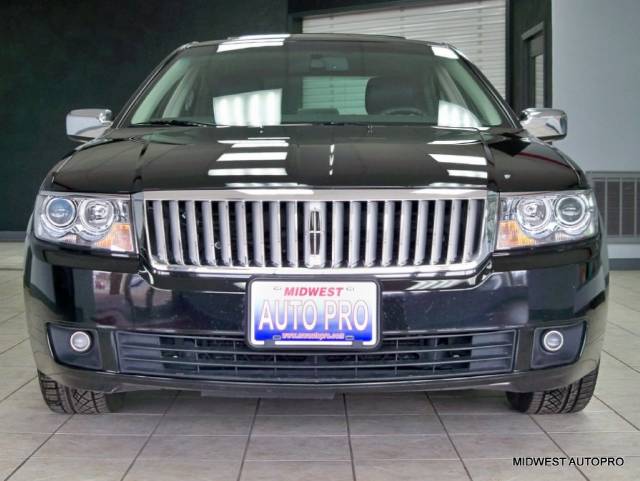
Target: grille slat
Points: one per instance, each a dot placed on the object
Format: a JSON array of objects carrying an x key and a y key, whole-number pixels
[
  {"x": 215, "y": 234},
  {"x": 438, "y": 233},
  {"x": 275, "y": 234},
  {"x": 469, "y": 230},
  {"x": 209, "y": 237},
  {"x": 176, "y": 234},
  {"x": 354, "y": 233},
  {"x": 158, "y": 222},
  {"x": 396, "y": 350},
  {"x": 258, "y": 234},
  {"x": 337, "y": 234},
  {"x": 371, "y": 234},
  {"x": 225, "y": 233},
  {"x": 454, "y": 231},
  {"x": 421, "y": 233},
  {"x": 404, "y": 241},
  {"x": 344, "y": 365},
  {"x": 387, "y": 233},
  {"x": 192, "y": 233},
  {"x": 400, "y": 356},
  {"x": 241, "y": 233},
  {"x": 292, "y": 234}
]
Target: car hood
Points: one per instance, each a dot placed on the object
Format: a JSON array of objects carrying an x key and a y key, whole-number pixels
[{"x": 175, "y": 158}]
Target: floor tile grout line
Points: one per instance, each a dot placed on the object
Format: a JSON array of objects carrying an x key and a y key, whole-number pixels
[
  {"x": 10, "y": 318},
  {"x": 557, "y": 445},
  {"x": 17, "y": 468},
  {"x": 622, "y": 328},
  {"x": 246, "y": 444},
  {"x": 346, "y": 417},
  {"x": 621, "y": 361},
  {"x": 15, "y": 345},
  {"x": 635, "y": 309},
  {"x": 446, "y": 431},
  {"x": 16, "y": 390},
  {"x": 615, "y": 411},
  {"x": 155, "y": 428}
]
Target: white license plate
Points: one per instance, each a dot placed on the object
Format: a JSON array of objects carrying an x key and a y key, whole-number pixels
[{"x": 314, "y": 314}]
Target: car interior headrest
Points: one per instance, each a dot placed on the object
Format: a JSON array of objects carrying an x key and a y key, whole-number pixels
[{"x": 385, "y": 93}]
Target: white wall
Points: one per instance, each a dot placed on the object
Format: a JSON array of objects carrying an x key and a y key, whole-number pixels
[{"x": 596, "y": 80}]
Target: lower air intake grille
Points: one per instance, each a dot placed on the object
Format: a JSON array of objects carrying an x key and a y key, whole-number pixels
[{"x": 225, "y": 356}]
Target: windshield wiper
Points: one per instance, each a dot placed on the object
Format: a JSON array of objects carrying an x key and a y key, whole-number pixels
[
  {"x": 173, "y": 122},
  {"x": 327, "y": 122}
]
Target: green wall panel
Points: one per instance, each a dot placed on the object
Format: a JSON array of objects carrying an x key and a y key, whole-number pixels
[{"x": 61, "y": 55}]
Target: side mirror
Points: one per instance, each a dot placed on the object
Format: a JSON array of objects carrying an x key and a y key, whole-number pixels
[
  {"x": 546, "y": 124},
  {"x": 87, "y": 124}
]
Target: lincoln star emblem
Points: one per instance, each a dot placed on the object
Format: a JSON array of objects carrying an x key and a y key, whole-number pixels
[
  {"x": 315, "y": 236},
  {"x": 315, "y": 233}
]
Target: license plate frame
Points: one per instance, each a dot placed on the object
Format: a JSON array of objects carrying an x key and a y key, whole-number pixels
[{"x": 346, "y": 345}]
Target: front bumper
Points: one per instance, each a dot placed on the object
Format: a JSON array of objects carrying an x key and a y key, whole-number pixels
[{"x": 62, "y": 288}]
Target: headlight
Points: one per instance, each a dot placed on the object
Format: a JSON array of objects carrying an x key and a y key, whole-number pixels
[
  {"x": 545, "y": 218},
  {"x": 95, "y": 221}
]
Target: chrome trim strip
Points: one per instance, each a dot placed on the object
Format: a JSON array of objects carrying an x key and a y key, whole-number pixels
[
  {"x": 454, "y": 270},
  {"x": 302, "y": 194},
  {"x": 306, "y": 216}
]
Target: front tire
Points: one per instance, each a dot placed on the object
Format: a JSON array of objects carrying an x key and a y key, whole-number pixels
[
  {"x": 67, "y": 400},
  {"x": 568, "y": 399}
]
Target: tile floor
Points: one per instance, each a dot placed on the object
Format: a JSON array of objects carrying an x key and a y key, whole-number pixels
[{"x": 437, "y": 436}]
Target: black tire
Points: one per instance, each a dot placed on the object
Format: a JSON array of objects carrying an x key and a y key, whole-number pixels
[
  {"x": 66, "y": 400},
  {"x": 568, "y": 399}
]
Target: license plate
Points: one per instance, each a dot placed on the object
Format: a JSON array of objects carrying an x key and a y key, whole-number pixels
[{"x": 313, "y": 314}]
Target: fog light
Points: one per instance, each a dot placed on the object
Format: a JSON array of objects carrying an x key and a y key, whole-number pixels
[
  {"x": 80, "y": 341},
  {"x": 553, "y": 341}
]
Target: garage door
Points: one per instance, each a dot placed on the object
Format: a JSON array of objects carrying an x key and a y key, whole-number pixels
[{"x": 477, "y": 28}]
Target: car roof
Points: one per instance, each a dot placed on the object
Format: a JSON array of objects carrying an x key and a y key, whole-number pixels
[{"x": 339, "y": 37}]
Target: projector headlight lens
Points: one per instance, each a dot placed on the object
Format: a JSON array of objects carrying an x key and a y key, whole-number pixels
[
  {"x": 94, "y": 221},
  {"x": 533, "y": 214},
  {"x": 545, "y": 218},
  {"x": 571, "y": 212},
  {"x": 60, "y": 212},
  {"x": 97, "y": 216}
]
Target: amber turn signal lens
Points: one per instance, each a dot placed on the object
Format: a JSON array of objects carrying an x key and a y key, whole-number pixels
[
  {"x": 510, "y": 236},
  {"x": 119, "y": 239}
]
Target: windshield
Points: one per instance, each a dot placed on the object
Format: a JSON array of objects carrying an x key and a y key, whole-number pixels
[{"x": 258, "y": 83}]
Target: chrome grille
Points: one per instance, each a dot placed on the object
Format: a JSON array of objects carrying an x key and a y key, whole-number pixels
[
  {"x": 391, "y": 230},
  {"x": 401, "y": 356}
]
